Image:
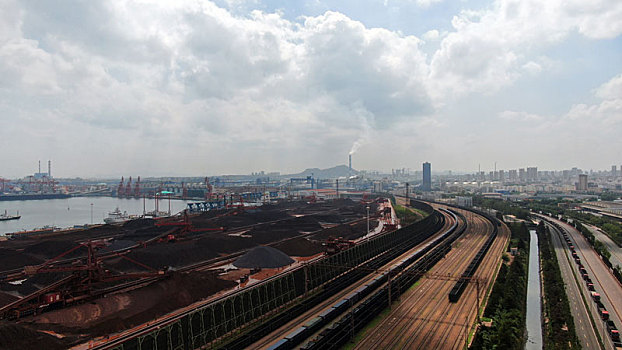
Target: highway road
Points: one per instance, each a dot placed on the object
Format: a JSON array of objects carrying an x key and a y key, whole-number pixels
[
  {"x": 604, "y": 282},
  {"x": 580, "y": 313},
  {"x": 614, "y": 249}
]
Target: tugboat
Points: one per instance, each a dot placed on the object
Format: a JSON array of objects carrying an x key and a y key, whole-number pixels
[
  {"x": 116, "y": 217},
  {"x": 6, "y": 216}
]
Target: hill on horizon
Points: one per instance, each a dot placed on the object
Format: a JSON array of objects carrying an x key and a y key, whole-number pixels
[{"x": 334, "y": 172}]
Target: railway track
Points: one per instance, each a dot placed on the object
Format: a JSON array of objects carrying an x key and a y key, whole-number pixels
[
  {"x": 425, "y": 313},
  {"x": 389, "y": 333},
  {"x": 325, "y": 306}
]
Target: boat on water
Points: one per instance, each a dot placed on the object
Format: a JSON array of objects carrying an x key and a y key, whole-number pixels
[
  {"x": 117, "y": 217},
  {"x": 6, "y": 216}
]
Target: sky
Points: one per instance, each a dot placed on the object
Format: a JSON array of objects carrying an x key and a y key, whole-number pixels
[{"x": 195, "y": 88}]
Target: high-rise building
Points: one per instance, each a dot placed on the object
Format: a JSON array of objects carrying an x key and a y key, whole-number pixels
[
  {"x": 427, "y": 177},
  {"x": 521, "y": 174},
  {"x": 614, "y": 170},
  {"x": 532, "y": 173},
  {"x": 501, "y": 175},
  {"x": 512, "y": 175},
  {"x": 582, "y": 185}
]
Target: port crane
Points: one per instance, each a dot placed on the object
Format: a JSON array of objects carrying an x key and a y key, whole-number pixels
[{"x": 85, "y": 278}]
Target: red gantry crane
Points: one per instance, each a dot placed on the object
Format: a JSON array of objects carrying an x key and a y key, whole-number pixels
[{"x": 86, "y": 274}]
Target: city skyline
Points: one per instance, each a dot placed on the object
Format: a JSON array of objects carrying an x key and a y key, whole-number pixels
[
  {"x": 229, "y": 87},
  {"x": 528, "y": 172}
]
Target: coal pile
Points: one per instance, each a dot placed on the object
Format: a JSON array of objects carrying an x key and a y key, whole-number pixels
[
  {"x": 346, "y": 231},
  {"x": 53, "y": 248},
  {"x": 32, "y": 284},
  {"x": 159, "y": 256},
  {"x": 263, "y": 257},
  {"x": 14, "y": 336},
  {"x": 11, "y": 259},
  {"x": 226, "y": 244},
  {"x": 147, "y": 233},
  {"x": 277, "y": 231},
  {"x": 117, "y": 244},
  {"x": 300, "y": 247},
  {"x": 6, "y": 299},
  {"x": 138, "y": 223}
]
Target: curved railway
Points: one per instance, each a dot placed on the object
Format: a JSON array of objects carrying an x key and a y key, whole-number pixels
[
  {"x": 425, "y": 313},
  {"x": 319, "y": 313}
]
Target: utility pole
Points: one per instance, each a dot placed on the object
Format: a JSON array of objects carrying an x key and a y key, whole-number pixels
[
  {"x": 407, "y": 184},
  {"x": 367, "y": 207}
]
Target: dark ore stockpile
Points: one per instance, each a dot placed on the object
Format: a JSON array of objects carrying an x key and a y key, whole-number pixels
[{"x": 263, "y": 257}]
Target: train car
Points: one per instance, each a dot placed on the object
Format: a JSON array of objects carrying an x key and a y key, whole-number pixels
[
  {"x": 341, "y": 305},
  {"x": 281, "y": 345},
  {"x": 328, "y": 314},
  {"x": 297, "y": 336},
  {"x": 315, "y": 324}
]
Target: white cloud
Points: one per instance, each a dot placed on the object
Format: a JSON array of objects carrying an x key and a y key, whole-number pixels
[
  {"x": 189, "y": 76},
  {"x": 431, "y": 35},
  {"x": 611, "y": 90},
  {"x": 592, "y": 128},
  {"x": 520, "y": 116},
  {"x": 489, "y": 47}
]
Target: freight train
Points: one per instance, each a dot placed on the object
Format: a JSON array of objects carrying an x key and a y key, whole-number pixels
[{"x": 372, "y": 305}]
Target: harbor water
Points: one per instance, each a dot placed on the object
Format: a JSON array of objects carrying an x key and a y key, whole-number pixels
[
  {"x": 534, "y": 306},
  {"x": 68, "y": 212}
]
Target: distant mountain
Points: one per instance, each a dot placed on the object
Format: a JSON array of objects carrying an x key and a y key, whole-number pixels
[{"x": 330, "y": 173}]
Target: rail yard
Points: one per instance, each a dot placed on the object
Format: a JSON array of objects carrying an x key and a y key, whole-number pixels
[{"x": 425, "y": 312}]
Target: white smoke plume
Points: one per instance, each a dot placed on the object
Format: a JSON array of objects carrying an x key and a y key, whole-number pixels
[{"x": 363, "y": 117}]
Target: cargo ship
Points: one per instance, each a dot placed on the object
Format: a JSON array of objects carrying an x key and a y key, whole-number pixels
[
  {"x": 6, "y": 216},
  {"x": 32, "y": 196},
  {"x": 117, "y": 217}
]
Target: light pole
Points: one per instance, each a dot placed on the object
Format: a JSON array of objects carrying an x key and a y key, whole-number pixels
[
  {"x": 367, "y": 207},
  {"x": 91, "y": 213}
]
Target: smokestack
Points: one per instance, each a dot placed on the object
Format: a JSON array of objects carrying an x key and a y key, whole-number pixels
[
  {"x": 39, "y": 167},
  {"x": 49, "y": 168},
  {"x": 350, "y": 162}
]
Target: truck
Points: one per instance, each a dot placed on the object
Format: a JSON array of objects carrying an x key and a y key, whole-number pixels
[
  {"x": 595, "y": 296},
  {"x": 613, "y": 331}
]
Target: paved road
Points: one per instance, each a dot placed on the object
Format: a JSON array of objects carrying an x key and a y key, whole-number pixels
[
  {"x": 582, "y": 323},
  {"x": 602, "y": 277},
  {"x": 604, "y": 282},
  {"x": 616, "y": 252}
]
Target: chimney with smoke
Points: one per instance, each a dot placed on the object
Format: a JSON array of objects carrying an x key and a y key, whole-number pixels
[{"x": 350, "y": 162}]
